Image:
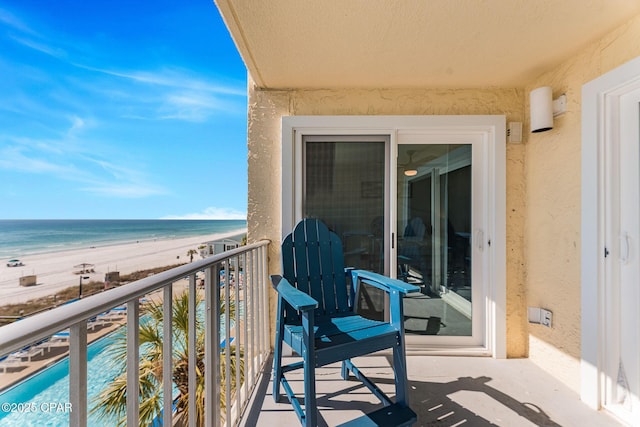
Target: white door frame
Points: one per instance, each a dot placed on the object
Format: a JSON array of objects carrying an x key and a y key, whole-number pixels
[
  {"x": 600, "y": 98},
  {"x": 493, "y": 128}
]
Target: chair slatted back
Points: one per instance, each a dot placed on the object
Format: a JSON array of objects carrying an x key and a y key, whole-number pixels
[{"x": 313, "y": 262}]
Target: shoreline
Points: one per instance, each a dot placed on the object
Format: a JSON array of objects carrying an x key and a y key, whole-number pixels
[
  {"x": 106, "y": 244},
  {"x": 54, "y": 271}
]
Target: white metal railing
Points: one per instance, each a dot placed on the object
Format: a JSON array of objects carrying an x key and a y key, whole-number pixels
[{"x": 250, "y": 329}]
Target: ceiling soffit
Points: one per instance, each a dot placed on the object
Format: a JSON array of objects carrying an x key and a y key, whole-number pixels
[{"x": 414, "y": 43}]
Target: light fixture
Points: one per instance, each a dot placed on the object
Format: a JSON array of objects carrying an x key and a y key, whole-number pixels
[
  {"x": 543, "y": 108},
  {"x": 410, "y": 170}
]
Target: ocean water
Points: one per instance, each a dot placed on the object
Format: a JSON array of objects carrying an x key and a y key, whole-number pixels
[{"x": 19, "y": 238}]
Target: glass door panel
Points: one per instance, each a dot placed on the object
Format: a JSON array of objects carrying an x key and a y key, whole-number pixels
[
  {"x": 344, "y": 186},
  {"x": 434, "y": 223}
]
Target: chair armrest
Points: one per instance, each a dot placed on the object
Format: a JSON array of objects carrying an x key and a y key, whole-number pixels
[
  {"x": 383, "y": 282},
  {"x": 296, "y": 298}
]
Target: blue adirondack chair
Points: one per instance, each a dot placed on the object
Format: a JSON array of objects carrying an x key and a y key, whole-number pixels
[{"x": 317, "y": 319}]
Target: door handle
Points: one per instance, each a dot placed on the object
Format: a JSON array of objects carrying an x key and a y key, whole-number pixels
[
  {"x": 480, "y": 240},
  {"x": 625, "y": 248}
]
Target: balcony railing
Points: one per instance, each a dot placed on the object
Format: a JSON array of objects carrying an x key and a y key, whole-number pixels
[{"x": 243, "y": 283}]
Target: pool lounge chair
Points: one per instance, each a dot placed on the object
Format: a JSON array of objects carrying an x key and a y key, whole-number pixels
[
  {"x": 11, "y": 361},
  {"x": 60, "y": 337},
  {"x": 28, "y": 353}
]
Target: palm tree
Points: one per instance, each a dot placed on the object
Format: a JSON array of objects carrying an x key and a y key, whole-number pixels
[
  {"x": 191, "y": 253},
  {"x": 111, "y": 404}
]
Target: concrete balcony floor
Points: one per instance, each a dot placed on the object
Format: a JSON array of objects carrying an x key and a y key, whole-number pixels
[{"x": 445, "y": 391}]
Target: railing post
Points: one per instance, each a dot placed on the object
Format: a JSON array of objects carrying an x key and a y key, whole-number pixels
[
  {"x": 167, "y": 355},
  {"x": 209, "y": 379},
  {"x": 254, "y": 315},
  {"x": 237, "y": 326},
  {"x": 133, "y": 362},
  {"x": 211, "y": 345},
  {"x": 192, "y": 351},
  {"x": 248, "y": 281},
  {"x": 78, "y": 374},
  {"x": 227, "y": 337},
  {"x": 264, "y": 303}
]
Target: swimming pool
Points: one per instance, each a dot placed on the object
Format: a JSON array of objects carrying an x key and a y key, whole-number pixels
[{"x": 43, "y": 398}]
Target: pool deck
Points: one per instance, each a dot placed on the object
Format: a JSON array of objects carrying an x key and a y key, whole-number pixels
[
  {"x": 51, "y": 354},
  {"x": 58, "y": 350}
]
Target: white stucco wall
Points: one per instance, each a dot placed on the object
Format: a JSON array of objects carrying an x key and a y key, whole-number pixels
[
  {"x": 267, "y": 107},
  {"x": 543, "y": 185},
  {"x": 553, "y": 204}
]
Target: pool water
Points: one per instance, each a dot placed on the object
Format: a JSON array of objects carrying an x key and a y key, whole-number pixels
[
  {"x": 43, "y": 399},
  {"x": 46, "y": 394}
]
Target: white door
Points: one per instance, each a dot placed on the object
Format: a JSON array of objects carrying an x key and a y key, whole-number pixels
[{"x": 622, "y": 350}]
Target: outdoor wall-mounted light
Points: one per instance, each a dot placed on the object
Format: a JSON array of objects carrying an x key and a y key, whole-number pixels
[{"x": 543, "y": 108}]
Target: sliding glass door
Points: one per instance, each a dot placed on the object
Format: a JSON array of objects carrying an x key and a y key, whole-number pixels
[
  {"x": 441, "y": 218},
  {"x": 416, "y": 203},
  {"x": 434, "y": 225}
]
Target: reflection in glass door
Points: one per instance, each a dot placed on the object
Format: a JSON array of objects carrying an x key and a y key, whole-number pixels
[
  {"x": 344, "y": 186},
  {"x": 434, "y": 225}
]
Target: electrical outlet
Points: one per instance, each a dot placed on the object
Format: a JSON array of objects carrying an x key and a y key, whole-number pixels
[{"x": 545, "y": 317}]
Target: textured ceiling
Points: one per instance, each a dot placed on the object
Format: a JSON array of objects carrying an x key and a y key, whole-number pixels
[{"x": 413, "y": 43}]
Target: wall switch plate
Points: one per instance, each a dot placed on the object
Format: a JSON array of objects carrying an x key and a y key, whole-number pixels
[
  {"x": 540, "y": 316},
  {"x": 545, "y": 317},
  {"x": 514, "y": 132},
  {"x": 534, "y": 314}
]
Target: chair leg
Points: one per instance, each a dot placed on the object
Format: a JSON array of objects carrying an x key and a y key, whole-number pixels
[
  {"x": 277, "y": 356},
  {"x": 277, "y": 370},
  {"x": 399, "y": 351},
  {"x": 309, "y": 366},
  {"x": 345, "y": 370},
  {"x": 400, "y": 370},
  {"x": 310, "y": 404}
]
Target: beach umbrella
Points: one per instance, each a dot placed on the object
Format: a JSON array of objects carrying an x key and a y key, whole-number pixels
[{"x": 84, "y": 267}]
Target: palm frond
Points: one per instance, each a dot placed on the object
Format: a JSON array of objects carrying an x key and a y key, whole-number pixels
[{"x": 112, "y": 401}]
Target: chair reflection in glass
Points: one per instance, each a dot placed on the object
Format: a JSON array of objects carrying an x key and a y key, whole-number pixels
[{"x": 412, "y": 265}]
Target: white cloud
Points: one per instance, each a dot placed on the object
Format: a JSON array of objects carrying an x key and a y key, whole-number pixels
[
  {"x": 212, "y": 213},
  {"x": 14, "y": 22},
  {"x": 56, "y": 52},
  {"x": 26, "y": 36},
  {"x": 77, "y": 124},
  {"x": 174, "y": 78},
  {"x": 66, "y": 160},
  {"x": 124, "y": 190},
  {"x": 190, "y": 107},
  {"x": 15, "y": 158},
  {"x": 166, "y": 94}
]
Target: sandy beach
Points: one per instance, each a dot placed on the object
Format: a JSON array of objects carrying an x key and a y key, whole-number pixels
[{"x": 55, "y": 271}]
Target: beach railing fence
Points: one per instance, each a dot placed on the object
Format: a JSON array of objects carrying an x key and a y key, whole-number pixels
[{"x": 245, "y": 281}]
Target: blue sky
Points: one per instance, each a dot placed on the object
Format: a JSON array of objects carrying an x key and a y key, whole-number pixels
[{"x": 120, "y": 109}]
